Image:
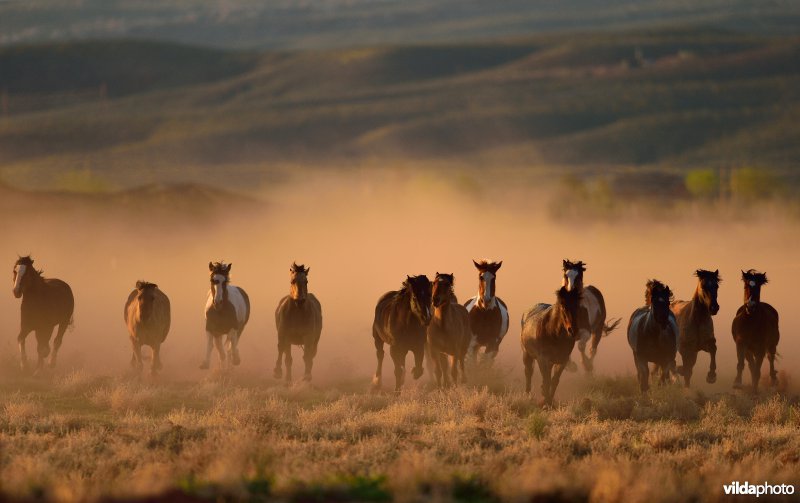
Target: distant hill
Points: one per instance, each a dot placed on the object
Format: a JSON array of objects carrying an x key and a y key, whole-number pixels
[{"x": 589, "y": 102}]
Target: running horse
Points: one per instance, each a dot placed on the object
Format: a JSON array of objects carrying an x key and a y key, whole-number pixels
[
  {"x": 401, "y": 319},
  {"x": 227, "y": 312},
  {"x": 488, "y": 314},
  {"x": 298, "y": 319},
  {"x": 592, "y": 318},
  {"x": 548, "y": 338},
  {"x": 696, "y": 326},
  {"x": 755, "y": 331},
  {"x": 448, "y": 333},
  {"x": 46, "y": 302},
  {"x": 147, "y": 316},
  {"x": 653, "y": 334}
]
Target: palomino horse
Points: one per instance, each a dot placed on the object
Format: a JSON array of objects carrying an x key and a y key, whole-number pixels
[
  {"x": 592, "y": 318},
  {"x": 401, "y": 318},
  {"x": 46, "y": 302},
  {"x": 653, "y": 334},
  {"x": 227, "y": 312},
  {"x": 548, "y": 337},
  {"x": 488, "y": 314},
  {"x": 299, "y": 321},
  {"x": 755, "y": 330},
  {"x": 448, "y": 333},
  {"x": 147, "y": 315},
  {"x": 696, "y": 325}
]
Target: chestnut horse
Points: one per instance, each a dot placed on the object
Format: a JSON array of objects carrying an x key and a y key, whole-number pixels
[
  {"x": 548, "y": 337},
  {"x": 46, "y": 302},
  {"x": 653, "y": 334},
  {"x": 448, "y": 333},
  {"x": 227, "y": 312},
  {"x": 401, "y": 319},
  {"x": 755, "y": 331},
  {"x": 488, "y": 314},
  {"x": 147, "y": 316},
  {"x": 592, "y": 319},
  {"x": 298, "y": 319},
  {"x": 696, "y": 326}
]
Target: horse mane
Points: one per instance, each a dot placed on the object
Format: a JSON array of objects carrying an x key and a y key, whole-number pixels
[
  {"x": 452, "y": 278},
  {"x": 220, "y": 268},
  {"x": 141, "y": 285},
  {"x": 299, "y": 268},
  {"x": 753, "y": 275},
  {"x": 655, "y": 285},
  {"x": 711, "y": 275},
  {"x": 568, "y": 265},
  {"x": 487, "y": 265}
]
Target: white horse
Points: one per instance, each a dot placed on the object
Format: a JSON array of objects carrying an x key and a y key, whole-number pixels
[{"x": 227, "y": 312}]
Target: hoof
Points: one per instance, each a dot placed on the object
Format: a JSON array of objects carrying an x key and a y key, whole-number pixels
[
  {"x": 307, "y": 378},
  {"x": 204, "y": 366},
  {"x": 277, "y": 373},
  {"x": 236, "y": 360},
  {"x": 417, "y": 372},
  {"x": 711, "y": 378}
]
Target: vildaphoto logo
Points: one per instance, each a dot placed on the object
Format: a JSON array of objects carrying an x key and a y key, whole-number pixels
[{"x": 757, "y": 490}]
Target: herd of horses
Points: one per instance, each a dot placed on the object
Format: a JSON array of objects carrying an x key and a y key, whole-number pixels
[{"x": 426, "y": 319}]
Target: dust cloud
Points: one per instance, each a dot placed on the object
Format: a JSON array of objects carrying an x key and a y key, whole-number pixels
[{"x": 361, "y": 234}]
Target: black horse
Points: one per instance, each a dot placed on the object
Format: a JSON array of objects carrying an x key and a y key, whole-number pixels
[
  {"x": 401, "y": 318},
  {"x": 46, "y": 302}
]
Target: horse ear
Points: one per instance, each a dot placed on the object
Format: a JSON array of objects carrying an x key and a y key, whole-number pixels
[
  {"x": 210, "y": 266},
  {"x": 564, "y": 264},
  {"x": 308, "y": 270},
  {"x": 499, "y": 264},
  {"x": 478, "y": 267},
  {"x": 139, "y": 285},
  {"x": 744, "y": 275},
  {"x": 228, "y": 268}
]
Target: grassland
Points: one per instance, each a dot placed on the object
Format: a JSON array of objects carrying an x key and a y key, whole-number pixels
[{"x": 78, "y": 436}]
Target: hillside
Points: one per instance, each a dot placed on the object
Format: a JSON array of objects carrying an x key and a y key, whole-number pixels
[{"x": 594, "y": 103}]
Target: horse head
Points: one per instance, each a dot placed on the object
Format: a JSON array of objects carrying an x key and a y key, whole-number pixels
[
  {"x": 487, "y": 272},
  {"x": 659, "y": 297},
  {"x": 298, "y": 275},
  {"x": 707, "y": 287},
  {"x": 220, "y": 277},
  {"x": 420, "y": 289},
  {"x": 753, "y": 280}
]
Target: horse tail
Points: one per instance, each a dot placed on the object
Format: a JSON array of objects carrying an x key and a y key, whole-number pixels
[
  {"x": 611, "y": 326},
  {"x": 71, "y": 323}
]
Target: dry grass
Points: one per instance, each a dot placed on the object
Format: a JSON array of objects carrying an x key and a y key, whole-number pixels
[{"x": 84, "y": 437}]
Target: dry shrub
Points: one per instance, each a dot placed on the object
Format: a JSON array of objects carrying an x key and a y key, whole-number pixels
[{"x": 776, "y": 410}]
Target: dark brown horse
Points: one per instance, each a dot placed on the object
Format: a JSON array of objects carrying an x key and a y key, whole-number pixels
[
  {"x": 227, "y": 313},
  {"x": 755, "y": 331},
  {"x": 147, "y": 316},
  {"x": 653, "y": 334},
  {"x": 401, "y": 319},
  {"x": 299, "y": 322},
  {"x": 488, "y": 314},
  {"x": 548, "y": 337},
  {"x": 696, "y": 326},
  {"x": 448, "y": 333},
  {"x": 46, "y": 302},
  {"x": 592, "y": 318}
]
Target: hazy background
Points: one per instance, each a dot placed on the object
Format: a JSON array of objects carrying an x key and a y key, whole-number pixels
[{"x": 373, "y": 139}]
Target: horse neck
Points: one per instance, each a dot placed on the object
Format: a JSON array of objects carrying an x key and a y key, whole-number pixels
[
  {"x": 555, "y": 316},
  {"x": 699, "y": 307},
  {"x": 35, "y": 284}
]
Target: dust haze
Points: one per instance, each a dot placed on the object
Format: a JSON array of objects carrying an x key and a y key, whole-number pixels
[{"x": 361, "y": 234}]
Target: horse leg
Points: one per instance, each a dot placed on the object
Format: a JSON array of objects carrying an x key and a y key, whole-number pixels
[
  {"x": 220, "y": 350},
  {"x": 209, "y": 345},
  {"x": 585, "y": 361},
  {"x": 643, "y": 372},
  {"x": 558, "y": 369},
  {"x": 445, "y": 369},
  {"x": 23, "y": 356},
  {"x": 42, "y": 346},
  {"x": 419, "y": 356},
  {"x": 491, "y": 351},
  {"x": 773, "y": 375},
  {"x": 461, "y": 365},
  {"x": 287, "y": 360},
  {"x": 527, "y": 360},
  {"x": 437, "y": 367},
  {"x": 309, "y": 352},
  {"x": 376, "y": 381},
  {"x": 737, "y": 382},
  {"x": 136, "y": 361},
  {"x": 688, "y": 360},
  {"x": 155, "y": 366},
  {"x": 755, "y": 362},
  {"x": 453, "y": 362},
  {"x": 278, "y": 372},
  {"x": 472, "y": 350},
  {"x": 711, "y": 377},
  {"x": 399, "y": 359},
  {"x": 62, "y": 328},
  {"x": 547, "y": 372},
  {"x": 234, "y": 341}
]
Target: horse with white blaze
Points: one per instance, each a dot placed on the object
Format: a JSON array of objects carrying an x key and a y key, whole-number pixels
[
  {"x": 488, "y": 314},
  {"x": 227, "y": 313}
]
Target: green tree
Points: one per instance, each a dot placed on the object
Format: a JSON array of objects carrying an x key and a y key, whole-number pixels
[{"x": 702, "y": 183}]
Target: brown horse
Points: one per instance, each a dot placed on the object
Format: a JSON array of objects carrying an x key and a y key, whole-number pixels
[
  {"x": 696, "y": 326},
  {"x": 755, "y": 331},
  {"x": 548, "y": 337},
  {"x": 298, "y": 319},
  {"x": 488, "y": 314},
  {"x": 401, "y": 318},
  {"x": 653, "y": 334},
  {"x": 46, "y": 302},
  {"x": 147, "y": 315},
  {"x": 448, "y": 333},
  {"x": 592, "y": 318}
]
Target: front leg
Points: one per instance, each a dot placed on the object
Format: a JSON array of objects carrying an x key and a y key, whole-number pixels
[
  {"x": 136, "y": 361},
  {"x": 23, "y": 355},
  {"x": 234, "y": 340},
  {"x": 309, "y": 352},
  {"x": 156, "y": 364},
  {"x": 773, "y": 374},
  {"x": 209, "y": 346},
  {"x": 220, "y": 351},
  {"x": 287, "y": 352},
  {"x": 737, "y": 382},
  {"x": 419, "y": 355},
  {"x": 399, "y": 359},
  {"x": 711, "y": 378}
]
